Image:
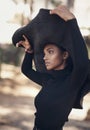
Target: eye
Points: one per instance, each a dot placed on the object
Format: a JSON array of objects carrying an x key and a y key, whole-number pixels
[{"x": 50, "y": 51}]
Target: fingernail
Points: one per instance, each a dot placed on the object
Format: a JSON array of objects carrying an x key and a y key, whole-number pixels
[
  {"x": 25, "y": 50},
  {"x": 50, "y": 12},
  {"x": 17, "y": 45}
]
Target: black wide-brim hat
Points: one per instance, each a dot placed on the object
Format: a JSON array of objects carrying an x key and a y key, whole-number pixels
[{"x": 43, "y": 29}]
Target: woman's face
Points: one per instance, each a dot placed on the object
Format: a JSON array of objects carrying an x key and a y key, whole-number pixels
[{"x": 54, "y": 58}]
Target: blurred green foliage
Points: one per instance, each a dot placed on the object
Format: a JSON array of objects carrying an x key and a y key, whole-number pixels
[
  {"x": 87, "y": 40},
  {"x": 10, "y": 54}
]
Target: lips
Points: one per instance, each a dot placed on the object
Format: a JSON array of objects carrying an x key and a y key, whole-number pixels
[{"x": 47, "y": 63}]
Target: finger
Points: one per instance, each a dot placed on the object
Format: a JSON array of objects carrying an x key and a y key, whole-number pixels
[
  {"x": 19, "y": 43},
  {"x": 25, "y": 38},
  {"x": 54, "y": 11},
  {"x": 25, "y": 50},
  {"x": 58, "y": 9}
]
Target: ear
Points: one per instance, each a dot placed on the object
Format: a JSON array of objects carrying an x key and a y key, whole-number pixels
[{"x": 65, "y": 55}]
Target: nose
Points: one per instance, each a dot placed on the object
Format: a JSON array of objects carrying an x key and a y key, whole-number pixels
[{"x": 45, "y": 57}]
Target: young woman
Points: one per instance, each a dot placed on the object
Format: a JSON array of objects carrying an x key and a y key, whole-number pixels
[{"x": 61, "y": 85}]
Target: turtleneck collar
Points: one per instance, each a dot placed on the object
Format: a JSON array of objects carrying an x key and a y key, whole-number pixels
[{"x": 60, "y": 73}]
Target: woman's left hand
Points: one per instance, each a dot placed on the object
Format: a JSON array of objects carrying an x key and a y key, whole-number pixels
[
  {"x": 63, "y": 12},
  {"x": 26, "y": 44}
]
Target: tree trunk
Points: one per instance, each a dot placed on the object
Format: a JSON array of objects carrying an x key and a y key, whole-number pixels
[
  {"x": 70, "y": 4},
  {"x": 31, "y": 6},
  {"x": 46, "y": 3}
]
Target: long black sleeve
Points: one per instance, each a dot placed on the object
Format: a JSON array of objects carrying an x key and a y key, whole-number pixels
[
  {"x": 78, "y": 52},
  {"x": 31, "y": 73}
]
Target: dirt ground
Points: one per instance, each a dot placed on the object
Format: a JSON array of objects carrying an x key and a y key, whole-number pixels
[{"x": 17, "y": 103}]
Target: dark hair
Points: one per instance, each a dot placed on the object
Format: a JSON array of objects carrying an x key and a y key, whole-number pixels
[{"x": 60, "y": 47}]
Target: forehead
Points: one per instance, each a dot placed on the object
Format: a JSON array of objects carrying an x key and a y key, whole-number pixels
[{"x": 50, "y": 46}]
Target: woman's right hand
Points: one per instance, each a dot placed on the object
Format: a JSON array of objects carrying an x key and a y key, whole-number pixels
[
  {"x": 63, "y": 12},
  {"x": 25, "y": 43}
]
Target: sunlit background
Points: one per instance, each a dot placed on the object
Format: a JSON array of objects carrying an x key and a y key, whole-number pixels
[
  {"x": 14, "y": 12},
  {"x": 16, "y": 91}
]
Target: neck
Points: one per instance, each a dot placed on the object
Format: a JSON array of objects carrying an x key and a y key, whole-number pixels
[{"x": 61, "y": 67}]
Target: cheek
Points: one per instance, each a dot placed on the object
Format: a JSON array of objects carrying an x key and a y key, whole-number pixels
[
  {"x": 57, "y": 57},
  {"x": 53, "y": 58}
]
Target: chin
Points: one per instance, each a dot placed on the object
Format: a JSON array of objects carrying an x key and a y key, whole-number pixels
[{"x": 48, "y": 68}]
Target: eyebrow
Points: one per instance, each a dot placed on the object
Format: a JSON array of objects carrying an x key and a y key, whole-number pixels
[{"x": 49, "y": 48}]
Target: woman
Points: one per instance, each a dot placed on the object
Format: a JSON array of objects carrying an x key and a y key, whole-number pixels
[{"x": 67, "y": 69}]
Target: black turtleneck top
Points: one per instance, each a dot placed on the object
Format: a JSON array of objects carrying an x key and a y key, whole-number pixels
[{"x": 59, "y": 88}]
